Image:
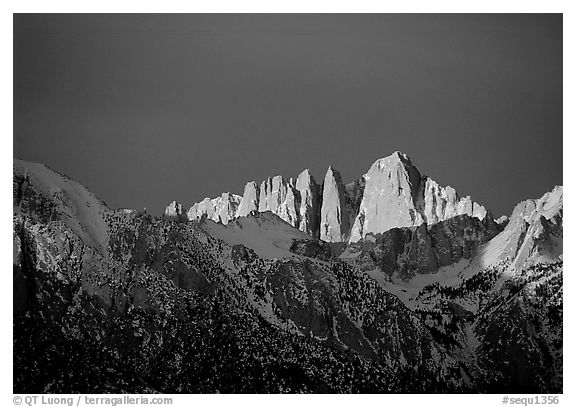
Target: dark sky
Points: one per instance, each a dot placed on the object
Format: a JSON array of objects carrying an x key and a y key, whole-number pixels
[{"x": 144, "y": 109}]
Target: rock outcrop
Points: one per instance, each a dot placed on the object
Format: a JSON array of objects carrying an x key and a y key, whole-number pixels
[
  {"x": 502, "y": 221},
  {"x": 277, "y": 196},
  {"x": 423, "y": 249},
  {"x": 250, "y": 199},
  {"x": 174, "y": 211},
  {"x": 441, "y": 203},
  {"x": 354, "y": 194},
  {"x": 316, "y": 249},
  {"x": 50, "y": 196},
  {"x": 397, "y": 195},
  {"x": 221, "y": 209},
  {"x": 309, "y": 201},
  {"x": 533, "y": 232},
  {"x": 334, "y": 223},
  {"x": 389, "y": 198},
  {"x": 295, "y": 202}
]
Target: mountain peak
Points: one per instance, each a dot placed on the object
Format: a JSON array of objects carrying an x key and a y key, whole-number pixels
[
  {"x": 397, "y": 157},
  {"x": 305, "y": 173},
  {"x": 393, "y": 193},
  {"x": 334, "y": 223},
  {"x": 332, "y": 170},
  {"x": 400, "y": 155}
]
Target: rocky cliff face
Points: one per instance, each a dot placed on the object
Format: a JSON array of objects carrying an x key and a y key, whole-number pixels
[
  {"x": 354, "y": 194},
  {"x": 424, "y": 249},
  {"x": 334, "y": 221},
  {"x": 393, "y": 193},
  {"x": 220, "y": 209},
  {"x": 441, "y": 203},
  {"x": 294, "y": 201},
  {"x": 309, "y": 203},
  {"x": 49, "y": 196},
  {"x": 277, "y": 195},
  {"x": 389, "y": 198},
  {"x": 174, "y": 211},
  {"x": 532, "y": 234},
  {"x": 397, "y": 195},
  {"x": 250, "y": 199}
]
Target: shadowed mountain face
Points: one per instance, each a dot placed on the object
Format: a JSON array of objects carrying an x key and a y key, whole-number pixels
[
  {"x": 118, "y": 301},
  {"x": 405, "y": 252}
]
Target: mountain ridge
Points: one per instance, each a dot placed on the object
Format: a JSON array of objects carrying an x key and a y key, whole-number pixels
[
  {"x": 392, "y": 193},
  {"x": 164, "y": 304}
]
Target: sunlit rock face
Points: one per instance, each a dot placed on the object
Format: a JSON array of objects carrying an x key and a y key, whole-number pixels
[
  {"x": 389, "y": 198},
  {"x": 393, "y": 193},
  {"x": 441, "y": 203},
  {"x": 502, "y": 220},
  {"x": 397, "y": 195},
  {"x": 250, "y": 199},
  {"x": 533, "y": 232},
  {"x": 174, "y": 210},
  {"x": 309, "y": 201},
  {"x": 294, "y": 201},
  {"x": 334, "y": 223},
  {"x": 277, "y": 195},
  {"x": 221, "y": 209}
]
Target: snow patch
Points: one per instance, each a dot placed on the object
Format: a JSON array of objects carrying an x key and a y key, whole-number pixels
[{"x": 268, "y": 235}]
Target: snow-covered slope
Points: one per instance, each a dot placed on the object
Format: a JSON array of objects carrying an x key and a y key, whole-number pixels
[
  {"x": 533, "y": 233},
  {"x": 265, "y": 233},
  {"x": 57, "y": 197}
]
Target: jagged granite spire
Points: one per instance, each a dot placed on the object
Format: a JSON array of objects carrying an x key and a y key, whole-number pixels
[
  {"x": 277, "y": 196},
  {"x": 250, "y": 199},
  {"x": 334, "y": 225},
  {"x": 308, "y": 211}
]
